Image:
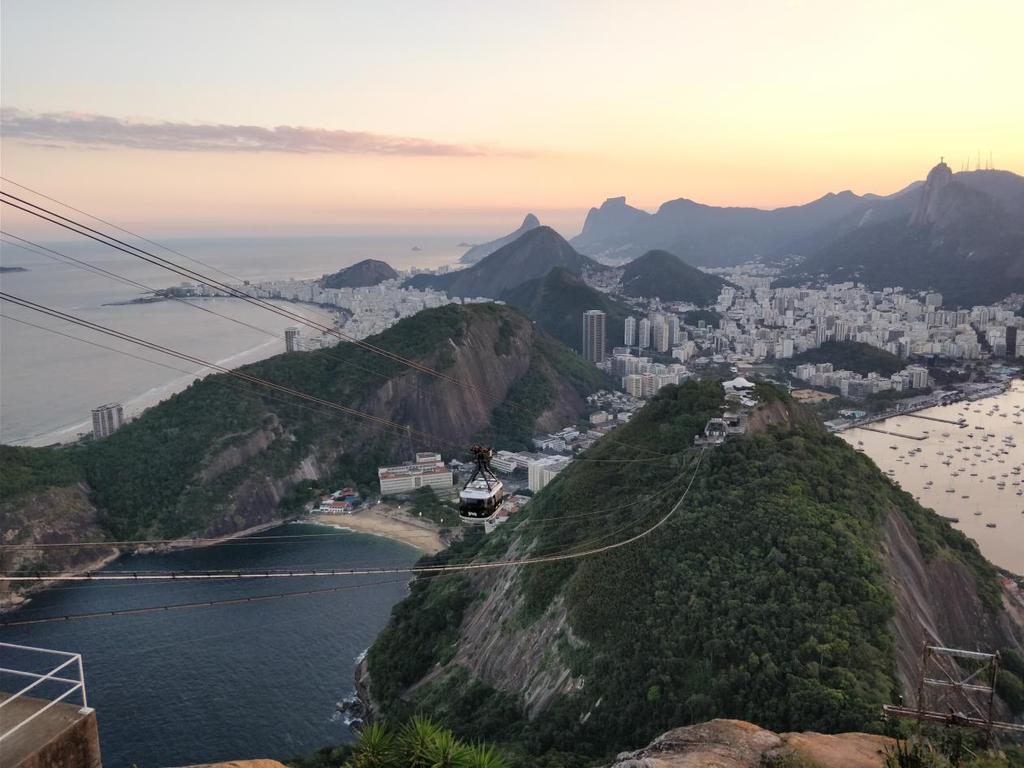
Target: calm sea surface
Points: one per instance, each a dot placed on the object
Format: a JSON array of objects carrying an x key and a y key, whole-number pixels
[
  {"x": 242, "y": 681},
  {"x": 49, "y": 384},
  {"x": 975, "y": 474}
]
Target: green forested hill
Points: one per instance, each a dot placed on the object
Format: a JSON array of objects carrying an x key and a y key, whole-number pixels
[
  {"x": 763, "y": 598},
  {"x": 557, "y": 301},
  {"x": 224, "y": 454},
  {"x": 662, "y": 274}
]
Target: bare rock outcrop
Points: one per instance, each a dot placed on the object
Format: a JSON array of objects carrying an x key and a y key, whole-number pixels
[{"x": 738, "y": 744}]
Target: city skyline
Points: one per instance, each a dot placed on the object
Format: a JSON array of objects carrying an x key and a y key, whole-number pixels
[{"x": 379, "y": 118}]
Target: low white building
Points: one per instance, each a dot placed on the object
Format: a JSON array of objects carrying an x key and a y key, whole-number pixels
[{"x": 428, "y": 471}]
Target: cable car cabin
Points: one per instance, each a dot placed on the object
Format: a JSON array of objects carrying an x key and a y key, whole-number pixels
[
  {"x": 483, "y": 493},
  {"x": 480, "y": 499}
]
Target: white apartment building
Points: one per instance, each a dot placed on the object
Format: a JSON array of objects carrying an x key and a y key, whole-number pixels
[
  {"x": 107, "y": 419},
  {"x": 428, "y": 471},
  {"x": 543, "y": 471}
]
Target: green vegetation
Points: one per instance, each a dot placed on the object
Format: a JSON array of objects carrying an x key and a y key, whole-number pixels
[
  {"x": 662, "y": 274},
  {"x": 955, "y": 748},
  {"x": 512, "y": 425},
  {"x": 711, "y": 318},
  {"x": 423, "y": 627},
  {"x": 25, "y": 470},
  {"x": 426, "y": 504},
  {"x": 853, "y": 356},
  {"x": 418, "y": 744},
  {"x": 762, "y": 598},
  {"x": 176, "y": 470},
  {"x": 557, "y": 301}
]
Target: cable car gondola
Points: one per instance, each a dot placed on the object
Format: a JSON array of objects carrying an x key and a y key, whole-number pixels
[{"x": 482, "y": 495}]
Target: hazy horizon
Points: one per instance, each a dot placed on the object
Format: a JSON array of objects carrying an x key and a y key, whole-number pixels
[{"x": 360, "y": 119}]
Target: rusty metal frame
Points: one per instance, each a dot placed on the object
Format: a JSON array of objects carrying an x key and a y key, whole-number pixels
[{"x": 965, "y": 700}]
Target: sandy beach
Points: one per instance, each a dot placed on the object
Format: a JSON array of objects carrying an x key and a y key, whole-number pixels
[{"x": 387, "y": 521}]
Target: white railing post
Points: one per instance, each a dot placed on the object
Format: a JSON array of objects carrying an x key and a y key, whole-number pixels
[{"x": 71, "y": 659}]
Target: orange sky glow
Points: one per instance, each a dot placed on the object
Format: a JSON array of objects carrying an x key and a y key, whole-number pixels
[{"x": 456, "y": 117}]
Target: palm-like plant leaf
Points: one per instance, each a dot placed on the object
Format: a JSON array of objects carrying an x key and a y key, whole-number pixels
[
  {"x": 415, "y": 741},
  {"x": 375, "y": 748}
]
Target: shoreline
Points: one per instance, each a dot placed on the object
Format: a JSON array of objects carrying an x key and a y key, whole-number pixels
[
  {"x": 9, "y": 605},
  {"x": 389, "y": 524},
  {"x": 137, "y": 404}
]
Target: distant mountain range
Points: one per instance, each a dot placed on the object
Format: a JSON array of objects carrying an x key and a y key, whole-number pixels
[
  {"x": 705, "y": 234},
  {"x": 359, "y": 275},
  {"x": 963, "y": 237},
  {"x": 530, "y": 256},
  {"x": 958, "y": 233},
  {"x": 478, "y": 252},
  {"x": 557, "y": 301},
  {"x": 659, "y": 273}
]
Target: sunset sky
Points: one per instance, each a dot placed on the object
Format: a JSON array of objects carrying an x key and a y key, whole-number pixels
[{"x": 249, "y": 117}]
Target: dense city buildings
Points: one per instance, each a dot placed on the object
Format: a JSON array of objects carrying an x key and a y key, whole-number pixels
[
  {"x": 107, "y": 419},
  {"x": 760, "y": 322},
  {"x": 365, "y": 311},
  {"x": 594, "y": 336}
]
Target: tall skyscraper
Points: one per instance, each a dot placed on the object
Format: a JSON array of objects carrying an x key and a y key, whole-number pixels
[
  {"x": 593, "y": 335},
  {"x": 107, "y": 419},
  {"x": 675, "y": 332},
  {"x": 629, "y": 337},
  {"x": 292, "y": 339},
  {"x": 659, "y": 332},
  {"x": 645, "y": 333}
]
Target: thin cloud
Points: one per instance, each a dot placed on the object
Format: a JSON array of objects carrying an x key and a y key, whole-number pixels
[{"x": 76, "y": 129}]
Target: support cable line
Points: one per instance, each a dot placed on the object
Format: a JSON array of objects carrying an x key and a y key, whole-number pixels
[
  {"x": 303, "y": 538},
  {"x": 419, "y": 571},
  {"x": 159, "y": 261},
  {"x": 377, "y": 420},
  {"x": 413, "y": 569},
  {"x": 313, "y": 537},
  {"x": 122, "y": 229},
  {"x": 54, "y": 255},
  {"x": 194, "y": 604},
  {"x": 132, "y": 250},
  {"x": 241, "y": 390},
  {"x": 401, "y": 429}
]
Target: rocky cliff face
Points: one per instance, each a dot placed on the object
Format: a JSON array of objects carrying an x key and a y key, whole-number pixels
[
  {"x": 496, "y": 348},
  {"x": 937, "y": 602},
  {"x": 930, "y": 204},
  {"x": 216, "y": 464},
  {"x": 51, "y": 516},
  {"x": 738, "y": 744}
]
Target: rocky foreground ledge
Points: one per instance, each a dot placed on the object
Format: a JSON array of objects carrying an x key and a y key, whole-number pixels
[{"x": 738, "y": 744}]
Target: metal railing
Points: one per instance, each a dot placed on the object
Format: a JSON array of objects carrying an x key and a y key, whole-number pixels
[{"x": 72, "y": 660}]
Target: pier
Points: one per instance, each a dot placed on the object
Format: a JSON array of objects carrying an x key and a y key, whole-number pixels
[
  {"x": 954, "y": 422},
  {"x": 894, "y": 434}
]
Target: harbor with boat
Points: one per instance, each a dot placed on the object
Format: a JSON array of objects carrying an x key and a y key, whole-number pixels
[{"x": 963, "y": 458}]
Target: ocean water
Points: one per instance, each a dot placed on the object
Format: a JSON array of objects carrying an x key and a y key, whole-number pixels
[
  {"x": 224, "y": 682},
  {"x": 980, "y": 456},
  {"x": 49, "y": 384}
]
